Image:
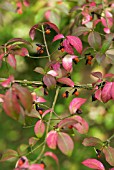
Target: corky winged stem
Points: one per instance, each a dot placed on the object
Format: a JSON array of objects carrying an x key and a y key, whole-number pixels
[{"x": 48, "y": 125}]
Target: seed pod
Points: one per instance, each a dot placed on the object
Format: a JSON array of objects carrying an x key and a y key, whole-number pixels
[
  {"x": 65, "y": 94},
  {"x": 79, "y": 111}
]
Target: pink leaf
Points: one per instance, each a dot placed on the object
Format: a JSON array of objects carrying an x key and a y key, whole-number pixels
[
  {"x": 67, "y": 81},
  {"x": 98, "y": 94},
  {"x": 106, "y": 92},
  {"x": 8, "y": 154},
  {"x": 112, "y": 90},
  {"x": 94, "y": 40},
  {"x": 94, "y": 164},
  {"x": 109, "y": 75},
  {"x": 11, "y": 60},
  {"x": 106, "y": 30},
  {"x": 52, "y": 155},
  {"x": 109, "y": 155},
  {"x": 76, "y": 104},
  {"x": 26, "y": 3},
  {"x": 39, "y": 70},
  {"x": 67, "y": 47},
  {"x": 53, "y": 26},
  {"x": 91, "y": 141},
  {"x": 24, "y": 52},
  {"x": 49, "y": 81},
  {"x": 35, "y": 167},
  {"x": 53, "y": 73},
  {"x": 40, "y": 99},
  {"x": 75, "y": 42},
  {"x": 11, "y": 105},
  {"x": 65, "y": 143},
  {"x": 7, "y": 81},
  {"x": 82, "y": 126},
  {"x": 66, "y": 122},
  {"x": 97, "y": 74},
  {"x": 51, "y": 139},
  {"x": 32, "y": 31},
  {"x": 24, "y": 96},
  {"x": 58, "y": 37},
  {"x": 67, "y": 62},
  {"x": 46, "y": 112},
  {"x": 39, "y": 128}
]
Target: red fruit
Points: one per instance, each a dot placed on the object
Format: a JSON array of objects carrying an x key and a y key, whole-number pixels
[
  {"x": 76, "y": 93},
  {"x": 89, "y": 57},
  {"x": 76, "y": 60},
  {"x": 70, "y": 126},
  {"x": 40, "y": 112},
  {"x": 65, "y": 94},
  {"x": 48, "y": 31},
  {"x": 89, "y": 62}
]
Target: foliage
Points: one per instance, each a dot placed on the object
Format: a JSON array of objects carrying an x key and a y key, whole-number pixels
[{"x": 67, "y": 35}]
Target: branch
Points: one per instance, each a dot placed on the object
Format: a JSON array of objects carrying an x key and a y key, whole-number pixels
[{"x": 40, "y": 83}]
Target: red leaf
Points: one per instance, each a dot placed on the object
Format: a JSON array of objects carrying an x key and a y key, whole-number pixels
[
  {"x": 46, "y": 112},
  {"x": 94, "y": 164},
  {"x": 11, "y": 60},
  {"x": 11, "y": 105},
  {"x": 39, "y": 128},
  {"x": 32, "y": 31},
  {"x": 49, "y": 81},
  {"x": 75, "y": 42},
  {"x": 51, "y": 139},
  {"x": 109, "y": 155},
  {"x": 82, "y": 126},
  {"x": 97, "y": 74},
  {"x": 7, "y": 81},
  {"x": 66, "y": 122},
  {"x": 65, "y": 80},
  {"x": 58, "y": 37},
  {"x": 52, "y": 155},
  {"x": 67, "y": 47},
  {"x": 24, "y": 96},
  {"x": 76, "y": 104},
  {"x": 94, "y": 40},
  {"x": 65, "y": 143},
  {"x": 18, "y": 40},
  {"x": 8, "y": 155},
  {"x": 39, "y": 70},
  {"x": 53, "y": 26},
  {"x": 91, "y": 141},
  {"x": 106, "y": 92},
  {"x": 33, "y": 141}
]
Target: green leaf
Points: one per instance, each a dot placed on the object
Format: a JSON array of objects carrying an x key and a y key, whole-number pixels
[{"x": 8, "y": 155}]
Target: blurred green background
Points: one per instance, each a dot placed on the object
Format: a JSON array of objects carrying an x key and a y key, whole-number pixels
[{"x": 99, "y": 116}]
